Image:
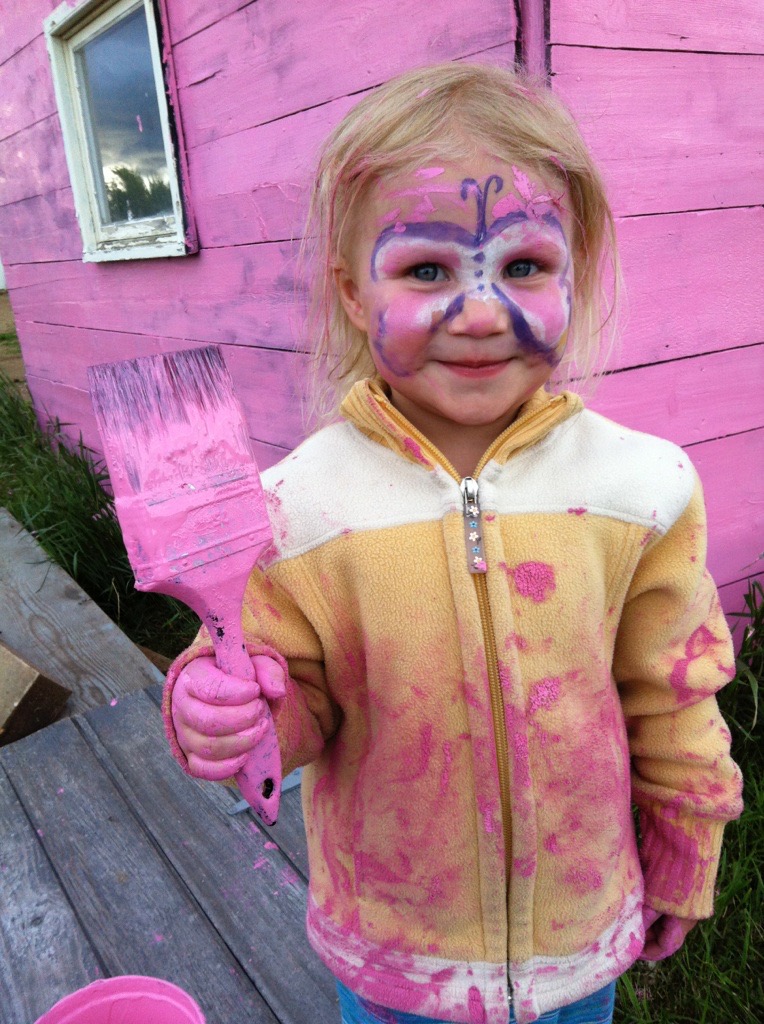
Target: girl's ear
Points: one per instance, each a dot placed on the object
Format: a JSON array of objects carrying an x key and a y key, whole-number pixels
[{"x": 349, "y": 295}]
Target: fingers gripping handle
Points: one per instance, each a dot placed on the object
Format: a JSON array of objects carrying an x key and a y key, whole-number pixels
[{"x": 259, "y": 780}]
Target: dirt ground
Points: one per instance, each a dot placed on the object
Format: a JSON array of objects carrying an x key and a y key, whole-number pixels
[{"x": 10, "y": 362}]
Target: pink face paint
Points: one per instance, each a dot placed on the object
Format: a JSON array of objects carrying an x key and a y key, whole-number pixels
[{"x": 429, "y": 172}]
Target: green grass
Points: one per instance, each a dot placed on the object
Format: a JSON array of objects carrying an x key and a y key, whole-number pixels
[
  {"x": 717, "y": 978},
  {"x": 54, "y": 490}
]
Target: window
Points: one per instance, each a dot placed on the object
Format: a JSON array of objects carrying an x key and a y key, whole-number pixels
[{"x": 117, "y": 130}]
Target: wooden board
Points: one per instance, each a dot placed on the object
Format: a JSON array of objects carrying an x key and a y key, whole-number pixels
[
  {"x": 671, "y": 131},
  {"x": 49, "y": 621},
  {"x": 730, "y": 469},
  {"x": 138, "y": 914},
  {"x": 253, "y": 893},
  {"x": 735, "y": 26},
  {"x": 688, "y": 400},
  {"x": 291, "y": 52},
  {"x": 45, "y": 953}
]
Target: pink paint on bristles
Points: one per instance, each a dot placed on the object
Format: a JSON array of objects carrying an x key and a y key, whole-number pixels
[{"x": 191, "y": 507}]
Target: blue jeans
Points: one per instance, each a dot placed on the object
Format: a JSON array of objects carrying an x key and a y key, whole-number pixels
[{"x": 594, "y": 1009}]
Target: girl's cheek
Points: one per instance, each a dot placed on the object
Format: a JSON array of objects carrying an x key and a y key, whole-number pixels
[
  {"x": 402, "y": 332},
  {"x": 547, "y": 312}
]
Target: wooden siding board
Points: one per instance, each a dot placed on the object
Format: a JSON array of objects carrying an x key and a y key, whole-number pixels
[
  {"x": 730, "y": 469},
  {"x": 268, "y": 61},
  {"x": 26, "y": 87},
  {"x": 670, "y": 131},
  {"x": 41, "y": 229},
  {"x": 21, "y": 23},
  {"x": 246, "y": 294},
  {"x": 33, "y": 162},
  {"x": 689, "y": 400},
  {"x": 735, "y": 26},
  {"x": 693, "y": 283}
]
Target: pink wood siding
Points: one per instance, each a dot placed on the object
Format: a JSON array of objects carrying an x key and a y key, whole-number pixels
[
  {"x": 657, "y": 89},
  {"x": 669, "y": 100}
]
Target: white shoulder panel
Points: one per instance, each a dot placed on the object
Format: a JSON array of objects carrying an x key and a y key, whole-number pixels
[
  {"x": 340, "y": 480},
  {"x": 591, "y": 463}
]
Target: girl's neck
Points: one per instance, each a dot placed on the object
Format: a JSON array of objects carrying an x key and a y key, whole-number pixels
[{"x": 462, "y": 444}]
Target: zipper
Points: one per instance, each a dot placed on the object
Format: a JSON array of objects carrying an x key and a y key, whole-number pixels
[
  {"x": 478, "y": 567},
  {"x": 476, "y": 563}
]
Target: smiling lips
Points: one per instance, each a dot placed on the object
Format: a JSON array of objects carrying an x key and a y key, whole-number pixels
[{"x": 475, "y": 369}]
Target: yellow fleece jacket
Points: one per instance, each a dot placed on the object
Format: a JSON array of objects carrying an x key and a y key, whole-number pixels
[{"x": 481, "y": 681}]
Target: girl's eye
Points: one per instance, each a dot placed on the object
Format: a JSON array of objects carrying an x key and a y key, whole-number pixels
[
  {"x": 521, "y": 268},
  {"x": 427, "y": 272}
]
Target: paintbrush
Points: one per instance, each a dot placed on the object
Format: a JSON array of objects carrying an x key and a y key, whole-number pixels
[{"x": 191, "y": 508}]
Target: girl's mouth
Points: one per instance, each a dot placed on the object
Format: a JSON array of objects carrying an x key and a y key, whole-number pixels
[{"x": 476, "y": 369}]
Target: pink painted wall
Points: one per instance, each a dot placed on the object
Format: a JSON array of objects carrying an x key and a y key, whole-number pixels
[
  {"x": 669, "y": 99},
  {"x": 657, "y": 91}
]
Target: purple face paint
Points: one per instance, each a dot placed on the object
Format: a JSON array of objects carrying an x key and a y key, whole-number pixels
[{"x": 539, "y": 322}]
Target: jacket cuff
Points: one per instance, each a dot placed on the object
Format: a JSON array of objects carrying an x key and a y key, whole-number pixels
[
  {"x": 680, "y": 858},
  {"x": 200, "y": 649}
]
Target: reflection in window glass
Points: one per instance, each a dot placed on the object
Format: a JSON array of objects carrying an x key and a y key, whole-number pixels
[{"x": 122, "y": 117}]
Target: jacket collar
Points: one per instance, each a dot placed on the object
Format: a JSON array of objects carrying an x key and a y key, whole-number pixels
[{"x": 368, "y": 406}]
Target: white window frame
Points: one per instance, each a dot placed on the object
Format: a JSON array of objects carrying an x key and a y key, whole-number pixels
[{"x": 147, "y": 238}]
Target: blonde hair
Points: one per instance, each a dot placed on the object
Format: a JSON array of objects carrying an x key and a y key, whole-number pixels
[{"x": 436, "y": 111}]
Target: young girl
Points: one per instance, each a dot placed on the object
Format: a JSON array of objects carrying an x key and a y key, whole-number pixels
[{"x": 485, "y": 626}]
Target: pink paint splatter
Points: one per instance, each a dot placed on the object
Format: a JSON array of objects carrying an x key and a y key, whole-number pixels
[
  {"x": 260, "y": 863},
  {"x": 697, "y": 645},
  {"x": 417, "y": 762},
  {"x": 113, "y": 702},
  {"x": 411, "y": 446},
  {"x": 445, "y": 774},
  {"x": 476, "y": 1006},
  {"x": 270, "y": 846},
  {"x": 545, "y": 694},
  {"x": 584, "y": 877},
  {"x": 158, "y": 937},
  {"x": 576, "y": 511},
  {"x": 525, "y": 866},
  {"x": 550, "y": 843},
  {"x": 288, "y": 877},
  {"x": 535, "y": 580}
]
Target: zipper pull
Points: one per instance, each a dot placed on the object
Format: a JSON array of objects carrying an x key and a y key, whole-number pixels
[{"x": 473, "y": 528}]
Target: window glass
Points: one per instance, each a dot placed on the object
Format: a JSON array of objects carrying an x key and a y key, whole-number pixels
[{"x": 122, "y": 122}]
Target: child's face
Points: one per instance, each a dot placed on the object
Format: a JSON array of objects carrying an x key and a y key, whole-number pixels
[{"x": 462, "y": 277}]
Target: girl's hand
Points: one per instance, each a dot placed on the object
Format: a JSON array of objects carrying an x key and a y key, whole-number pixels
[
  {"x": 664, "y": 933},
  {"x": 218, "y": 718}
]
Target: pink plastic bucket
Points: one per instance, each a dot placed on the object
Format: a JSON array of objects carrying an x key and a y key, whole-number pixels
[{"x": 129, "y": 999}]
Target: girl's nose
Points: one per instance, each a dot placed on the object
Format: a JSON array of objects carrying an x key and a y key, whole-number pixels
[{"x": 479, "y": 318}]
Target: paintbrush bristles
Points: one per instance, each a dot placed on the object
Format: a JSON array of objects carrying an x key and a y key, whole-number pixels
[{"x": 142, "y": 400}]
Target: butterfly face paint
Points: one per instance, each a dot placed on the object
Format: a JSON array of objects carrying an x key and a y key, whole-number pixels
[{"x": 463, "y": 282}]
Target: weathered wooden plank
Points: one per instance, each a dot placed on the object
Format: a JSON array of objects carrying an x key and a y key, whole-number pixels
[
  {"x": 677, "y": 301},
  {"x": 41, "y": 228},
  {"x": 33, "y": 161},
  {"x": 104, "y": 859},
  {"x": 730, "y": 469},
  {"x": 44, "y": 954},
  {"x": 246, "y": 292},
  {"x": 688, "y": 400},
  {"x": 21, "y": 23},
  {"x": 26, "y": 86},
  {"x": 267, "y": 61},
  {"x": 736, "y": 26},
  {"x": 671, "y": 131},
  {"x": 246, "y": 887},
  {"x": 49, "y": 621}
]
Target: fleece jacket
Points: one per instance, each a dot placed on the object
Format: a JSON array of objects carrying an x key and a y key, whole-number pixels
[{"x": 481, "y": 682}]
